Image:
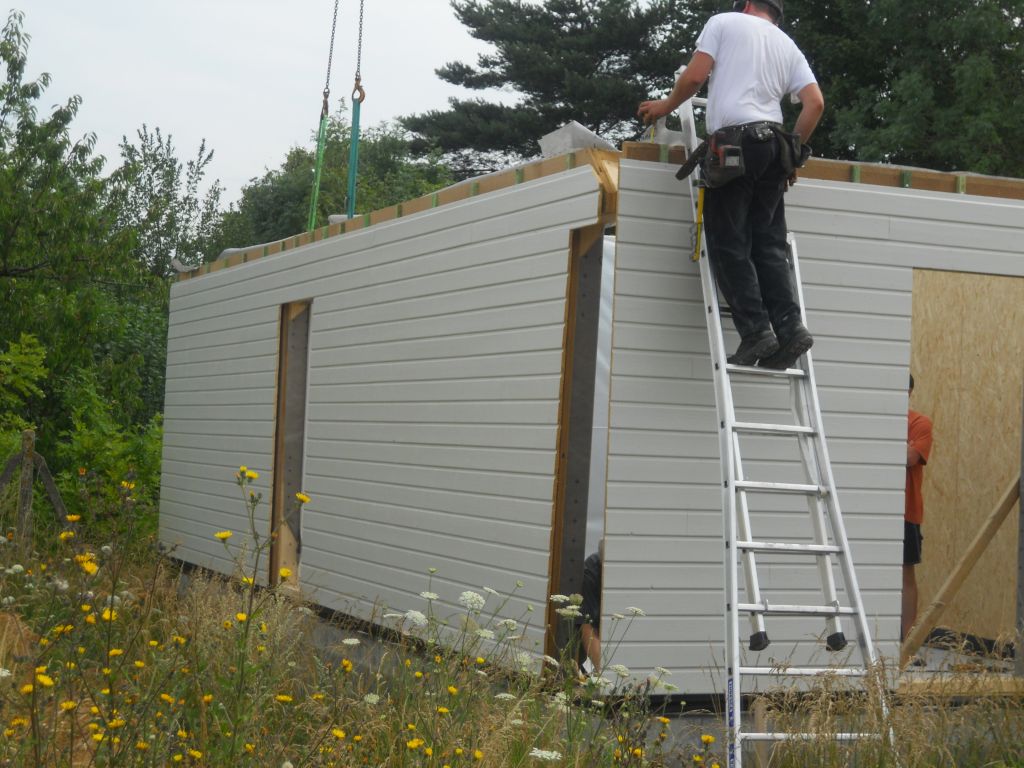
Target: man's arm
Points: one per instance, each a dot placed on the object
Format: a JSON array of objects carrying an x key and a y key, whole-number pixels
[
  {"x": 813, "y": 105},
  {"x": 687, "y": 84},
  {"x": 591, "y": 645}
]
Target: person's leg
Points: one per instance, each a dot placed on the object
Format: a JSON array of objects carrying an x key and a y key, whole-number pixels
[
  {"x": 727, "y": 228},
  {"x": 909, "y": 612}
]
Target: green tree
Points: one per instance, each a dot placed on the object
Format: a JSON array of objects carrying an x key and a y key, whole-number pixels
[
  {"x": 276, "y": 205},
  {"x": 931, "y": 83},
  {"x": 591, "y": 61}
]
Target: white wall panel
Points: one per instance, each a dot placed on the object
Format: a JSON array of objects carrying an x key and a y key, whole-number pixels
[{"x": 435, "y": 368}]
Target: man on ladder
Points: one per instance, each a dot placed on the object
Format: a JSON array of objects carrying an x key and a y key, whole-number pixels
[{"x": 750, "y": 163}]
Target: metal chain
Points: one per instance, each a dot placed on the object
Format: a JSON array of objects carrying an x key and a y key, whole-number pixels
[
  {"x": 359, "y": 45},
  {"x": 330, "y": 54}
]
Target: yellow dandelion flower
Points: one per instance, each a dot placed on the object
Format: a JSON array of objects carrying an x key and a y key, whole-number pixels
[
  {"x": 65, "y": 535},
  {"x": 207, "y": 698},
  {"x": 85, "y": 607},
  {"x": 16, "y": 721},
  {"x": 663, "y": 720},
  {"x": 260, "y": 648},
  {"x": 227, "y": 624},
  {"x": 44, "y": 680},
  {"x": 223, "y": 535},
  {"x": 443, "y": 710},
  {"x": 437, "y": 659},
  {"x": 109, "y": 615},
  {"x": 141, "y": 746},
  {"x": 414, "y": 743},
  {"x": 411, "y": 726},
  {"x": 72, "y": 518},
  {"x": 284, "y": 698},
  {"x": 247, "y": 580},
  {"x": 139, "y": 664},
  {"x": 357, "y": 737},
  {"x": 100, "y": 736},
  {"x": 117, "y": 722},
  {"x": 346, "y": 665},
  {"x": 195, "y": 754},
  {"x": 452, "y": 690},
  {"x": 458, "y": 751},
  {"x": 263, "y": 627},
  {"x": 43, "y": 642},
  {"x": 285, "y": 573},
  {"x": 90, "y": 619},
  {"x": 68, "y": 706},
  {"x": 637, "y": 752},
  {"x": 698, "y": 759},
  {"x": 8, "y": 732},
  {"x": 167, "y": 698},
  {"x": 89, "y": 567},
  {"x": 707, "y": 739},
  {"x": 179, "y": 639},
  {"x": 337, "y": 733},
  {"x": 240, "y": 617},
  {"x": 480, "y": 660},
  {"x": 177, "y": 758},
  {"x": 114, "y": 652},
  {"x": 418, "y": 674},
  {"x": 317, "y": 697},
  {"x": 428, "y": 751},
  {"x": 250, "y": 475},
  {"x": 27, "y": 688},
  {"x": 478, "y": 755},
  {"x": 70, "y": 665},
  {"x": 303, "y": 498}
]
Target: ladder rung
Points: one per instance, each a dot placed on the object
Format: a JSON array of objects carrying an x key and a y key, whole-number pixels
[
  {"x": 781, "y": 547},
  {"x": 759, "y": 485},
  {"x": 772, "y": 429},
  {"x": 787, "y": 736},
  {"x": 796, "y": 610},
  {"x": 752, "y": 370},
  {"x": 804, "y": 671}
]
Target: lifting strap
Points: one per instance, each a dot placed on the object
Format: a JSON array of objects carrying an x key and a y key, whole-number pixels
[
  {"x": 321, "y": 137},
  {"x": 358, "y": 96}
]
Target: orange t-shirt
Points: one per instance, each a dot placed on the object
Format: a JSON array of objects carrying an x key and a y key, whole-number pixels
[{"x": 919, "y": 436}]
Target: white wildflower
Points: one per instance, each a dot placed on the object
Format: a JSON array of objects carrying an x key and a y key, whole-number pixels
[
  {"x": 61, "y": 585},
  {"x": 107, "y": 550},
  {"x": 431, "y": 570},
  {"x": 559, "y": 599},
  {"x": 490, "y": 591},
  {"x": 634, "y": 611},
  {"x": 15, "y": 569},
  {"x": 498, "y": 696},
  {"x": 4, "y": 672},
  {"x": 617, "y": 617},
  {"x": 350, "y": 641},
  {"x": 7, "y": 601},
  {"x": 600, "y": 682},
  {"x": 371, "y": 698},
  {"x": 551, "y": 661},
  {"x": 669, "y": 687},
  {"x": 576, "y": 598},
  {"x": 428, "y": 595},
  {"x": 620, "y": 669},
  {"x": 480, "y": 672},
  {"x": 509, "y": 624},
  {"x": 486, "y": 634},
  {"x": 596, "y": 703},
  {"x": 546, "y": 755},
  {"x": 520, "y": 584},
  {"x": 474, "y": 601},
  {"x": 662, "y": 671},
  {"x": 516, "y": 722},
  {"x": 287, "y": 764},
  {"x": 393, "y": 615},
  {"x": 416, "y": 618},
  {"x": 524, "y": 660},
  {"x": 570, "y": 612}
]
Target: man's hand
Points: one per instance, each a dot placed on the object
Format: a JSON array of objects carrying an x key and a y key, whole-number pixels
[{"x": 652, "y": 111}]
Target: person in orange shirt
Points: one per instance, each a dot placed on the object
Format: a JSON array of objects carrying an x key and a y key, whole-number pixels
[{"x": 919, "y": 447}]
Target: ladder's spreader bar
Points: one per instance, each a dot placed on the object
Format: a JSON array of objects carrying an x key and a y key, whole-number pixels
[
  {"x": 796, "y": 610},
  {"x": 766, "y": 487},
  {"x": 772, "y": 429},
  {"x": 805, "y": 671}
]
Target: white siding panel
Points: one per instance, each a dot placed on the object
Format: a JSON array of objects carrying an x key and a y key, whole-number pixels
[
  {"x": 663, "y": 520},
  {"x": 435, "y": 367}
]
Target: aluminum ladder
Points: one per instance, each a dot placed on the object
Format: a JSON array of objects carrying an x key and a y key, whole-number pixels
[{"x": 828, "y": 532}]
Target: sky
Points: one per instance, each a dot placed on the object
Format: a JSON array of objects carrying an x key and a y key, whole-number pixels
[{"x": 246, "y": 75}]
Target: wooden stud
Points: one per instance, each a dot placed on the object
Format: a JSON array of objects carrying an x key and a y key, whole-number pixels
[
  {"x": 905, "y": 178},
  {"x": 855, "y": 174},
  {"x": 663, "y": 153},
  {"x": 961, "y": 183},
  {"x": 1018, "y": 665},
  {"x": 474, "y": 189},
  {"x": 519, "y": 175},
  {"x": 28, "y": 442},
  {"x": 927, "y": 622}
]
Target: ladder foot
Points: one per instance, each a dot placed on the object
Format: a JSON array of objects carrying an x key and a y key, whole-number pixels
[
  {"x": 759, "y": 641},
  {"x": 835, "y": 642}
]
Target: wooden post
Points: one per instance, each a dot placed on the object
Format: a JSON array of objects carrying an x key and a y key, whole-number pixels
[
  {"x": 926, "y": 623},
  {"x": 762, "y": 749},
  {"x": 28, "y": 440},
  {"x": 1018, "y": 646}
]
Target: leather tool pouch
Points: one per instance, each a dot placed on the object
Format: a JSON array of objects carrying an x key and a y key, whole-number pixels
[
  {"x": 792, "y": 153},
  {"x": 724, "y": 160}
]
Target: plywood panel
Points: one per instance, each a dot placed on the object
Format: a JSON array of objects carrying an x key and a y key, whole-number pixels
[{"x": 968, "y": 356}]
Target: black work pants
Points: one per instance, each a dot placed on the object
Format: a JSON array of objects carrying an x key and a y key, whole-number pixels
[{"x": 745, "y": 224}]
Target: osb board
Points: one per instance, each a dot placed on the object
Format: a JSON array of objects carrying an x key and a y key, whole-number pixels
[
  {"x": 968, "y": 363},
  {"x": 942, "y": 685}
]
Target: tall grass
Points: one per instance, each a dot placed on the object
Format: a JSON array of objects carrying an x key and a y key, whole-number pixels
[{"x": 108, "y": 657}]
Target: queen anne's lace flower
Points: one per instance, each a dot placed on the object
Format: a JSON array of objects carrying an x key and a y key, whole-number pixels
[
  {"x": 620, "y": 669},
  {"x": 559, "y": 598},
  {"x": 546, "y": 755},
  {"x": 428, "y": 595},
  {"x": 635, "y": 611},
  {"x": 416, "y": 618},
  {"x": 474, "y": 601}
]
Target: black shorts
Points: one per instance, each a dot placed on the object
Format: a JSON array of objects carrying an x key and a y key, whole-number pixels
[{"x": 912, "y": 539}]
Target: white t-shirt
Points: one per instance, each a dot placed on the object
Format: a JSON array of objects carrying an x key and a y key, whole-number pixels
[{"x": 756, "y": 64}]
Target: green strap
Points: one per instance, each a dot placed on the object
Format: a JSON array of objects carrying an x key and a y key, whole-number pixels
[{"x": 321, "y": 141}]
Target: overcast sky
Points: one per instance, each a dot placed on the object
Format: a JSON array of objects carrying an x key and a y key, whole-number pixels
[{"x": 246, "y": 75}]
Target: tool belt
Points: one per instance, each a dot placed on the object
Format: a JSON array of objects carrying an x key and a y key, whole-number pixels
[{"x": 720, "y": 156}]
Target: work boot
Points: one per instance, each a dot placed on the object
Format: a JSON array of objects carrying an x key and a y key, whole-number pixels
[
  {"x": 792, "y": 344},
  {"x": 755, "y": 347}
]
